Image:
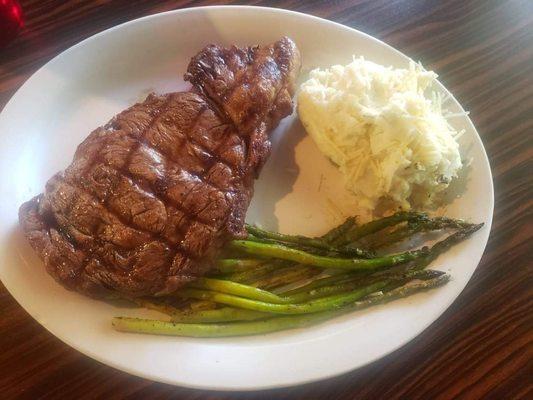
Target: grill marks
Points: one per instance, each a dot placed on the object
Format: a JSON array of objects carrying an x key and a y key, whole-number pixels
[
  {"x": 127, "y": 189},
  {"x": 150, "y": 197}
]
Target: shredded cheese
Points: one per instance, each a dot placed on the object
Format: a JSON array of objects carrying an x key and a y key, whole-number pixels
[{"x": 388, "y": 136}]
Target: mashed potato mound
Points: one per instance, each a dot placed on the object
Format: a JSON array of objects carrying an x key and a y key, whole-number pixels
[{"x": 387, "y": 136}]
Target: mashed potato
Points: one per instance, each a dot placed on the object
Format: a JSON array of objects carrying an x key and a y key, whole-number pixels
[{"x": 389, "y": 139}]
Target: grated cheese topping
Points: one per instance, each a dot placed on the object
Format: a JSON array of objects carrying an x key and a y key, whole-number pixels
[{"x": 384, "y": 129}]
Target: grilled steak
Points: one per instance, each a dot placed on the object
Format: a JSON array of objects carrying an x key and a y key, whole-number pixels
[{"x": 150, "y": 198}]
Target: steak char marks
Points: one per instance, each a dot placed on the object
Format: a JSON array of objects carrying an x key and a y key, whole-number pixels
[{"x": 152, "y": 196}]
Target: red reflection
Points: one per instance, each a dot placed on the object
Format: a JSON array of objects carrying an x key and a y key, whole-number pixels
[{"x": 11, "y": 20}]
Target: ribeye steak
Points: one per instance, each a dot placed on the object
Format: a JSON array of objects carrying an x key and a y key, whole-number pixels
[{"x": 151, "y": 197}]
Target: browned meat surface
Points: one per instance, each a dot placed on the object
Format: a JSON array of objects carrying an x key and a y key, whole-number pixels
[{"x": 150, "y": 198}]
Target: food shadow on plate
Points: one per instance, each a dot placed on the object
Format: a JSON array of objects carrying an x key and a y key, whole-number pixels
[{"x": 278, "y": 175}]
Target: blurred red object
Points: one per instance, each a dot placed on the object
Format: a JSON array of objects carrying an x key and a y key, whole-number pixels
[{"x": 11, "y": 20}]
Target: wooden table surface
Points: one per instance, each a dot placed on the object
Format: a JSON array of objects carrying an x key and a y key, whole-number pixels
[{"x": 482, "y": 346}]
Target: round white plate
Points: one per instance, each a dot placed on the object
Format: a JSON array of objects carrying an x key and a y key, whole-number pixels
[{"x": 298, "y": 191}]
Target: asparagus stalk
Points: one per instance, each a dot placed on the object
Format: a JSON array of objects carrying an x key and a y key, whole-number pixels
[
  {"x": 453, "y": 223},
  {"x": 228, "y": 265},
  {"x": 310, "y": 245},
  {"x": 445, "y": 244},
  {"x": 255, "y": 273},
  {"x": 358, "y": 232},
  {"x": 340, "y": 230},
  {"x": 137, "y": 325},
  {"x": 305, "y": 293},
  {"x": 296, "y": 239},
  {"x": 236, "y": 289},
  {"x": 233, "y": 314},
  {"x": 398, "y": 235},
  {"x": 228, "y": 314},
  {"x": 201, "y": 305},
  {"x": 436, "y": 250},
  {"x": 351, "y": 285},
  {"x": 200, "y": 315},
  {"x": 323, "y": 304},
  {"x": 224, "y": 314},
  {"x": 155, "y": 327},
  {"x": 288, "y": 276},
  {"x": 317, "y": 283},
  {"x": 302, "y": 257},
  {"x": 411, "y": 229}
]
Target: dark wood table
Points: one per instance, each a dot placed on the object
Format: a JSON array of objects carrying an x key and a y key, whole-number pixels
[{"x": 482, "y": 346}]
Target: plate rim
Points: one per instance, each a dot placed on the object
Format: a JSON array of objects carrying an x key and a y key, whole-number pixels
[{"x": 294, "y": 382}]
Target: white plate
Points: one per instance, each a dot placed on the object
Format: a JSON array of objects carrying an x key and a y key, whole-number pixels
[{"x": 84, "y": 86}]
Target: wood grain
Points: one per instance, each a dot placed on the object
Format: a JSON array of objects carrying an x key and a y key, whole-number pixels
[{"x": 482, "y": 346}]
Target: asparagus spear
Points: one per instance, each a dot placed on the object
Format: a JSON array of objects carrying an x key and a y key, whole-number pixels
[
  {"x": 303, "y": 293},
  {"x": 325, "y": 281},
  {"x": 227, "y": 265},
  {"x": 289, "y": 275},
  {"x": 255, "y": 273},
  {"x": 196, "y": 315},
  {"x": 340, "y": 230},
  {"x": 228, "y": 314},
  {"x": 411, "y": 229},
  {"x": 233, "y": 314},
  {"x": 296, "y": 239},
  {"x": 351, "y": 285},
  {"x": 374, "y": 226},
  {"x": 436, "y": 250},
  {"x": 155, "y": 327},
  {"x": 310, "y": 245},
  {"x": 236, "y": 289},
  {"x": 138, "y": 325},
  {"x": 445, "y": 244},
  {"x": 224, "y": 314},
  {"x": 323, "y": 304},
  {"x": 287, "y": 253}
]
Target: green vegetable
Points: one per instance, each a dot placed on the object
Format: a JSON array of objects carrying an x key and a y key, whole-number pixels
[
  {"x": 227, "y": 265},
  {"x": 237, "y": 289},
  {"x": 255, "y": 273},
  {"x": 282, "y": 261},
  {"x": 412, "y": 229},
  {"x": 357, "y": 283},
  {"x": 227, "y": 314},
  {"x": 340, "y": 230},
  {"x": 324, "y": 281},
  {"x": 310, "y": 245},
  {"x": 296, "y": 239},
  {"x": 358, "y": 232},
  {"x": 445, "y": 244},
  {"x": 285, "y": 277},
  {"x": 287, "y": 253},
  {"x": 323, "y": 304},
  {"x": 224, "y": 314},
  {"x": 138, "y": 325},
  {"x": 155, "y": 327}
]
